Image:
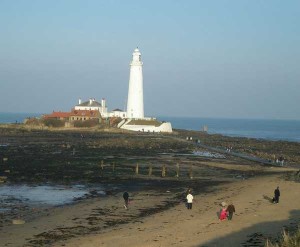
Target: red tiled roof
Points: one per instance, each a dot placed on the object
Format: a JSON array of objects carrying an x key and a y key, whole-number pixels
[{"x": 58, "y": 114}]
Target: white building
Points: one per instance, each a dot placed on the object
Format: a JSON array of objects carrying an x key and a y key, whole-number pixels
[
  {"x": 117, "y": 113},
  {"x": 93, "y": 105},
  {"x": 145, "y": 125}
]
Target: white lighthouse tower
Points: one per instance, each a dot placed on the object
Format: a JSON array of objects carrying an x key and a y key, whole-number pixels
[
  {"x": 135, "y": 102},
  {"x": 136, "y": 121}
]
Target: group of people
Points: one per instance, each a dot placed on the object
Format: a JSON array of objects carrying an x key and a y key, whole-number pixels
[
  {"x": 280, "y": 161},
  {"x": 227, "y": 211}
]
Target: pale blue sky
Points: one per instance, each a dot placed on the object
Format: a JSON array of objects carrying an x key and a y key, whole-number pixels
[{"x": 232, "y": 59}]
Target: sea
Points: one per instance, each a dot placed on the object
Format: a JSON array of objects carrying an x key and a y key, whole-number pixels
[
  {"x": 269, "y": 129},
  {"x": 284, "y": 130}
]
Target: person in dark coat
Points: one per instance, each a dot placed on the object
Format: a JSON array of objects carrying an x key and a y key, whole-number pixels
[
  {"x": 126, "y": 199},
  {"x": 230, "y": 209},
  {"x": 276, "y": 195}
]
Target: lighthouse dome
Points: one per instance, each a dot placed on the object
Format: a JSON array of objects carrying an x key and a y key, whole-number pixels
[
  {"x": 136, "y": 52},
  {"x": 136, "y": 57}
]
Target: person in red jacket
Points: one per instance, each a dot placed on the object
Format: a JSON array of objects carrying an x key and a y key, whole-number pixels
[{"x": 223, "y": 212}]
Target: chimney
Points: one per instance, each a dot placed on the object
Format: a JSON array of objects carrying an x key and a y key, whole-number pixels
[
  {"x": 103, "y": 103},
  {"x": 91, "y": 101},
  {"x": 79, "y": 101}
]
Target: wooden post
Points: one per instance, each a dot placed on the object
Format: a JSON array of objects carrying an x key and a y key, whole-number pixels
[
  {"x": 101, "y": 166},
  {"x": 177, "y": 170},
  {"x": 191, "y": 172},
  {"x": 150, "y": 170},
  {"x": 137, "y": 169},
  {"x": 163, "y": 171}
]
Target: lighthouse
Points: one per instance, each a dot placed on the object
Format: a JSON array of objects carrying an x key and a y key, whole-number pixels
[{"x": 135, "y": 101}]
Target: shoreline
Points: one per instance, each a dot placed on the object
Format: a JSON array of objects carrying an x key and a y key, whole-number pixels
[{"x": 21, "y": 125}]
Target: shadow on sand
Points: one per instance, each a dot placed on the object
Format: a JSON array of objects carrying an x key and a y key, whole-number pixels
[
  {"x": 268, "y": 198},
  {"x": 256, "y": 235}
]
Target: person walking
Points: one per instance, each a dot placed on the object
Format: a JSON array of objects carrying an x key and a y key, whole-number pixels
[
  {"x": 276, "y": 195},
  {"x": 230, "y": 210},
  {"x": 126, "y": 199},
  {"x": 189, "y": 199}
]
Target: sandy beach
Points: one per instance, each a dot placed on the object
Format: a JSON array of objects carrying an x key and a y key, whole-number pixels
[
  {"x": 157, "y": 215},
  {"x": 255, "y": 220}
]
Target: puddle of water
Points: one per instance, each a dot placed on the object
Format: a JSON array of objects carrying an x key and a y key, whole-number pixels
[
  {"x": 199, "y": 153},
  {"x": 3, "y": 210},
  {"x": 44, "y": 194},
  {"x": 209, "y": 154}
]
